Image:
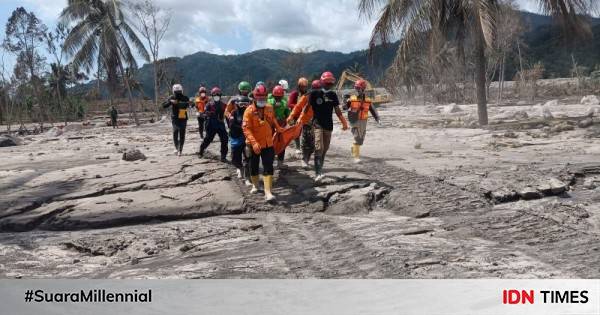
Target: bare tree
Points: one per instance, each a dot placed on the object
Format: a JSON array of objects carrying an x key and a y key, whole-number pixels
[{"x": 152, "y": 22}]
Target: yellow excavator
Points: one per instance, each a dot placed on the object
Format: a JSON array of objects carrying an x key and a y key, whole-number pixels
[{"x": 378, "y": 98}]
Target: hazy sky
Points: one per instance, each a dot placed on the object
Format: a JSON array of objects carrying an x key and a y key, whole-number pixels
[{"x": 239, "y": 26}]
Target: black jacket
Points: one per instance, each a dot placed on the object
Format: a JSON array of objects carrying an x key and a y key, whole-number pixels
[{"x": 183, "y": 102}]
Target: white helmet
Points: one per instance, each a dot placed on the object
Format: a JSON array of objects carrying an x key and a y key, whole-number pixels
[
  {"x": 177, "y": 88},
  {"x": 284, "y": 84}
]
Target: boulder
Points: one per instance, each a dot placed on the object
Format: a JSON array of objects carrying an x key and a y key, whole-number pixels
[
  {"x": 585, "y": 123},
  {"x": 529, "y": 193},
  {"x": 9, "y": 141},
  {"x": 590, "y": 100},
  {"x": 592, "y": 111},
  {"x": 133, "y": 155},
  {"x": 54, "y": 132}
]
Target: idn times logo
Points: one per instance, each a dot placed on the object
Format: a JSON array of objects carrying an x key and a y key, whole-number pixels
[{"x": 513, "y": 296}]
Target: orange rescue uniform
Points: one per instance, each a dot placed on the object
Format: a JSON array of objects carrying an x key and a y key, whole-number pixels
[
  {"x": 258, "y": 126},
  {"x": 297, "y": 111},
  {"x": 201, "y": 103}
]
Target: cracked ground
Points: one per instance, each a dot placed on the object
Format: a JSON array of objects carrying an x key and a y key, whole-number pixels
[{"x": 431, "y": 199}]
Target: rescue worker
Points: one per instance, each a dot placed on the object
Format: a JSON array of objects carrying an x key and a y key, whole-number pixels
[
  {"x": 293, "y": 100},
  {"x": 235, "y": 115},
  {"x": 308, "y": 135},
  {"x": 201, "y": 100},
  {"x": 277, "y": 100},
  {"x": 258, "y": 124},
  {"x": 114, "y": 115},
  {"x": 215, "y": 123},
  {"x": 358, "y": 107},
  {"x": 179, "y": 104},
  {"x": 323, "y": 102}
]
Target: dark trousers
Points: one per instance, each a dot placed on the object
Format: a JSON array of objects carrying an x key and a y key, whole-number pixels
[
  {"x": 114, "y": 122},
  {"x": 211, "y": 131},
  {"x": 281, "y": 156},
  {"x": 267, "y": 156},
  {"x": 240, "y": 158},
  {"x": 201, "y": 122},
  {"x": 308, "y": 142},
  {"x": 179, "y": 133}
]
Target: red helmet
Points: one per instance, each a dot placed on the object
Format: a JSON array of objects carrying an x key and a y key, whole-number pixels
[
  {"x": 278, "y": 91},
  {"x": 360, "y": 85},
  {"x": 215, "y": 91},
  {"x": 316, "y": 84},
  {"x": 327, "y": 78},
  {"x": 260, "y": 92}
]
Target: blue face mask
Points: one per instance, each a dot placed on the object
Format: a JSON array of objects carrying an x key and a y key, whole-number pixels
[{"x": 216, "y": 98}]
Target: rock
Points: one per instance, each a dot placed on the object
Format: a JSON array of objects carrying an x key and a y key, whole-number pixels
[
  {"x": 529, "y": 193},
  {"x": 133, "y": 155},
  {"x": 593, "y": 111},
  {"x": 585, "y": 123},
  {"x": 589, "y": 183},
  {"x": 54, "y": 132},
  {"x": 9, "y": 141},
  {"x": 558, "y": 186},
  {"x": 590, "y": 100},
  {"x": 452, "y": 108},
  {"x": 103, "y": 157},
  {"x": 504, "y": 195}
]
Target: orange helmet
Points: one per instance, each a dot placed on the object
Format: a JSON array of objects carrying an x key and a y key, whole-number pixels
[
  {"x": 278, "y": 91},
  {"x": 360, "y": 85},
  {"x": 327, "y": 78}
]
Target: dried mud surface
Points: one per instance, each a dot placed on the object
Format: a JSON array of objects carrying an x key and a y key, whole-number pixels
[{"x": 435, "y": 197}]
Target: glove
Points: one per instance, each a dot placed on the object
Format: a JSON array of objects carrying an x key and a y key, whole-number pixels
[
  {"x": 256, "y": 148},
  {"x": 290, "y": 121}
]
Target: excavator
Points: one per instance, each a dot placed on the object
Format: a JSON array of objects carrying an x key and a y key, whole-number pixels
[{"x": 378, "y": 98}]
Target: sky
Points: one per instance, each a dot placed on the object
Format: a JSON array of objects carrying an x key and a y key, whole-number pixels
[{"x": 240, "y": 26}]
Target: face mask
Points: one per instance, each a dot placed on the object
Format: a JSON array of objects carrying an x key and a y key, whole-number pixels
[
  {"x": 216, "y": 98},
  {"x": 178, "y": 92},
  {"x": 203, "y": 95},
  {"x": 261, "y": 104}
]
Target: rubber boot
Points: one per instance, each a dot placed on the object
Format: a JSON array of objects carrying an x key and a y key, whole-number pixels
[
  {"x": 318, "y": 168},
  {"x": 254, "y": 180},
  {"x": 356, "y": 153},
  {"x": 268, "y": 182}
]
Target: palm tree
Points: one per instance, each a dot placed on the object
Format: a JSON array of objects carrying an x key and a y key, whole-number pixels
[
  {"x": 101, "y": 35},
  {"x": 425, "y": 25}
]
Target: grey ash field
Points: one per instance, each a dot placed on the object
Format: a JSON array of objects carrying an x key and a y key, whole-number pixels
[{"x": 435, "y": 197}]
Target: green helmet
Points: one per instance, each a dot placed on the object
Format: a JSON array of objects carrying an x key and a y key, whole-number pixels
[{"x": 244, "y": 87}]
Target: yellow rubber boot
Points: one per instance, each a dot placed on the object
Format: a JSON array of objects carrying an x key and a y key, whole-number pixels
[
  {"x": 254, "y": 180},
  {"x": 268, "y": 181},
  {"x": 356, "y": 153}
]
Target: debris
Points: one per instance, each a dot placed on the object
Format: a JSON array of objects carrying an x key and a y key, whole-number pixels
[
  {"x": 545, "y": 110},
  {"x": 589, "y": 183},
  {"x": 592, "y": 111},
  {"x": 251, "y": 227},
  {"x": 103, "y": 157},
  {"x": 590, "y": 100},
  {"x": 133, "y": 155},
  {"x": 557, "y": 186},
  {"x": 54, "y": 132},
  {"x": 452, "y": 108},
  {"x": 168, "y": 197}
]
